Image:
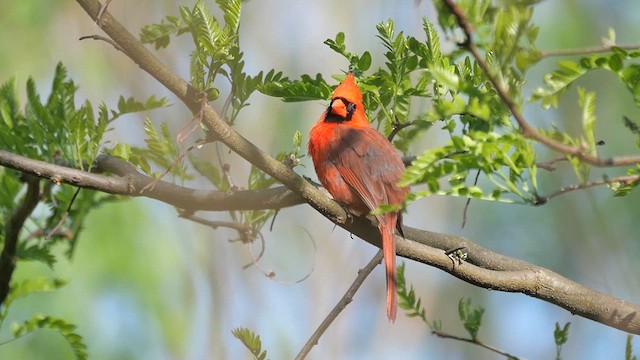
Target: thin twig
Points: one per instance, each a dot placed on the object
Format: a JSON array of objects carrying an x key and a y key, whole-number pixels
[
  {"x": 194, "y": 123},
  {"x": 246, "y": 233},
  {"x": 548, "y": 165},
  {"x": 527, "y": 130},
  {"x": 586, "y": 51},
  {"x": 171, "y": 166},
  {"x": 397, "y": 127},
  {"x": 103, "y": 9},
  {"x": 271, "y": 275},
  {"x": 625, "y": 180},
  {"x": 341, "y": 305},
  {"x": 244, "y": 230},
  {"x": 247, "y": 236},
  {"x": 64, "y": 216},
  {"x": 106, "y": 39},
  {"x": 466, "y": 205},
  {"x": 475, "y": 342}
]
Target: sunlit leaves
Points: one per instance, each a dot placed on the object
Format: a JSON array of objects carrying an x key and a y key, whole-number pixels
[
  {"x": 162, "y": 149},
  {"x": 307, "y": 88},
  {"x": 251, "y": 341},
  {"x": 62, "y": 327},
  {"x": 621, "y": 62},
  {"x": 215, "y": 45},
  {"x": 30, "y": 286},
  {"x": 508, "y": 161},
  {"x": 471, "y": 317},
  {"x": 38, "y": 322},
  {"x": 160, "y": 34},
  {"x": 62, "y": 132}
]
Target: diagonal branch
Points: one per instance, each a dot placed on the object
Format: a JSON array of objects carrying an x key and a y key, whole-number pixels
[
  {"x": 484, "y": 268},
  {"x": 526, "y": 128},
  {"x": 341, "y": 305}
]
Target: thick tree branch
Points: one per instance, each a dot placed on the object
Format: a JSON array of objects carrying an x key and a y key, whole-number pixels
[
  {"x": 12, "y": 232},
  {"x": 526, "y": 128},
  {"x": 484, "y": 268},
  {"x": 131, "y": 183}
]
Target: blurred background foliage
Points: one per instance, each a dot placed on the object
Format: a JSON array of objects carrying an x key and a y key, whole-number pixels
[{"x": 144, "y": 284}]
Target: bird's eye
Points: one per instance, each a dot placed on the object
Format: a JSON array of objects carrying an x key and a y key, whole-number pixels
[{"x": 351, "y": 107}]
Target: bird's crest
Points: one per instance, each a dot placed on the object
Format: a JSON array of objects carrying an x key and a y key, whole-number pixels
[{"x": 348, "y": 90}]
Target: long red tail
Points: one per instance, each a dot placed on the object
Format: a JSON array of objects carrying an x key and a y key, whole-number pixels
[{"x": 387, "y": 230}]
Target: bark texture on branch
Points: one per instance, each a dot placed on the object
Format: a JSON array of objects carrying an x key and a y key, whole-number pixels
[{"x": 483, "y": 267}]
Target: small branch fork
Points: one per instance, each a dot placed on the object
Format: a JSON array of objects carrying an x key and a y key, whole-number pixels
[{"x": 526, "y": 128}]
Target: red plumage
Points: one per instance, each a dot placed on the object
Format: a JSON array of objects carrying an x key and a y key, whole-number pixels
[{"x": 360, "y": 168}]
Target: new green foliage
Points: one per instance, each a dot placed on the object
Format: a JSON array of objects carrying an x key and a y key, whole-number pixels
[{"x": 251, "y": 341}]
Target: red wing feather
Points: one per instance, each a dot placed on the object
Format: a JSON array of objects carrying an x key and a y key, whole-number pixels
[{"x": 370, "y": 165}]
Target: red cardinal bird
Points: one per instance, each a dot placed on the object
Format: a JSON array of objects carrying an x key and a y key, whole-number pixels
[{"x": 360, "y": 168}]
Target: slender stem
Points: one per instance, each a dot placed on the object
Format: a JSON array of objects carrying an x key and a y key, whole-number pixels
[
  {"x": 341, "y": 305},
  {"x": 625, "y": 180},
  {"x": 475, "y": 342},
  {"x": 586, "y": 51}
]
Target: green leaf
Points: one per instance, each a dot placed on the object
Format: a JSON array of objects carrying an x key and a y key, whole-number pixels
[
  {"x": 35, "y": 285},
  {"x": 231, "y": 10},
  {"x": 299, "y": 90},
  {"x": 251, "y": 341},
  {"x": 297, "y": 139},
  {"x": 560, "y": 336},
  {"x": 130, "y": 105},
  {"x": 209, "y": 171},
  {"x": 36, "y": 252},
  {"x": 408, "y": 301},
  {"x": 433, "y": 55},
  {"x": 365, "y": 61},
  {"x": 628, "y": 350},
  {"x": 558, "y": 81},
  {"x": 62, "y": 327},
  {"x": 471, "y": 317},
  {"x": 160, "y": 34}
]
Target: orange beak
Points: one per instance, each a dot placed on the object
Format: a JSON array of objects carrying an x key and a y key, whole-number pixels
[{"x": 339, "y": 108}]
